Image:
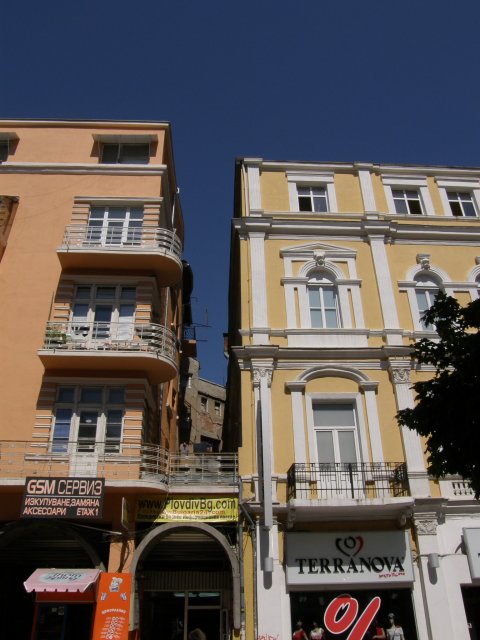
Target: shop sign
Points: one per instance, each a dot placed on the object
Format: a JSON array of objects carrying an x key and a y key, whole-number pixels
[
  {"x": 348, "y": 558},
  {"x": 187, "y": 509},
  {"x": 113, "y": 606},
  {"x": 63, "y": 498},
  {"x": 471, "y": 538}
]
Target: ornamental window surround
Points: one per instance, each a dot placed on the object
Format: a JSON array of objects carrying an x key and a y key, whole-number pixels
[
  {"x": 407, "y": 195},
  {"x": 460, "y": 197},
  {"x": 312, "y": 192}
]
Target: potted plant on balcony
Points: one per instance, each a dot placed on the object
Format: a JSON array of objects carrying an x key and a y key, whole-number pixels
[{"x": 55, "y": 337}]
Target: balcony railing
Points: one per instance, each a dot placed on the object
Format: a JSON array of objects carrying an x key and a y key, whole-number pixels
[
  {"x": 115, "y": 462},
  {"x": 129, "y": 239},
  {"x": 204, "y": 468},
  {"x": 111, "y": 336},
  {"x": 359, "y": 480}
]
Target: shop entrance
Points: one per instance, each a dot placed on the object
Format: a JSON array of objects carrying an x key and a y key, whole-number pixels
[
  {"x": 63, "y": 621},
  {"x": 173, "y": 615}
]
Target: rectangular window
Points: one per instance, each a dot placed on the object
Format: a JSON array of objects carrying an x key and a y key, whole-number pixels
[
  {"x": 335, "y": 432},
  {"x": 203, "y": 403},
  {"x": 125, "y": 153},
  {"x": 313, "y": 199},
  {"x": 461, "y": 204},
  {"x": 115, "y": 225},
  {"x": 102, "y": 312},
  {"x": 407, "y": 201},
  {"x": 218, "y": 408},
  {"x": 88, "y": 419}
]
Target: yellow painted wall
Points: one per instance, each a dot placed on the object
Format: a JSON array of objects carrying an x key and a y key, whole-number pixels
[
  {"x": 349, "y": 196},
  {"x": 274, "y": 188}
]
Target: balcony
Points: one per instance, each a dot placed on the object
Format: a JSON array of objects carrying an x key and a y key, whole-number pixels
[
  {"x": 456, "y": 488},
  {"x": 123, "y": 465},
  {"x": 111, "y": 346},
  {"x": 339, "y": 486},
  {"x": 137, "y": 249}
]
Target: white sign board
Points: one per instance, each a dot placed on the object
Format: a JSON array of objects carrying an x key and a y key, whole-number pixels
[
  {"x": 365, "y": 557},
  {"x": 471, "y": 538}
]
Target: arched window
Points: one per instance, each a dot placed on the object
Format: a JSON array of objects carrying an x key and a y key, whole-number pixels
[
  {"x": 426, "y": 290},
  {"x": 323, "y": 302}
]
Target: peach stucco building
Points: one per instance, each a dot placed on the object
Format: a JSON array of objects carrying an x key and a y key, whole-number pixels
[
  {"x": 332, "y": 266},
  {"x": 92, "y": 290}
]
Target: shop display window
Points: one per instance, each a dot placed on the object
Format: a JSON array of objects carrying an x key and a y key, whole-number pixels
[{"x": 357, "y": 610}]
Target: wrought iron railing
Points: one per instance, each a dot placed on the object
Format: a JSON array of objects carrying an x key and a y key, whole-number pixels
[
  {"x": 318, "y": 481},
  {"x": 111, "y": 336},
  {"x": 121, "y": 463},
  {"x": 125, "y": 238}
]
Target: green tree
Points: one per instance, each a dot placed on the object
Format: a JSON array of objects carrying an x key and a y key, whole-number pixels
[{"x": 447, "y": 410}]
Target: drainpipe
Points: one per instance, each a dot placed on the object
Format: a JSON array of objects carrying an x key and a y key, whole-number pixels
[{"x": 253, "y": 532}]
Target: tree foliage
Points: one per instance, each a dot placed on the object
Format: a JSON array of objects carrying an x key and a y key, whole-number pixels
[{"x": 447, "y": 410}]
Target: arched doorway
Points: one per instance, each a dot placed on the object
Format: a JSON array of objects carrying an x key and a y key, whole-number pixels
[{"x": 187, "y": 576}]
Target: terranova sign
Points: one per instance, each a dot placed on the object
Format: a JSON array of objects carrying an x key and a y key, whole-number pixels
[{"x": 348, "y": 558}]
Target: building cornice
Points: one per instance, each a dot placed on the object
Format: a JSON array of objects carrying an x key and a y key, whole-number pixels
[
  {"x": 45, "y": 168},
  {"x": 108, "y": 124}
]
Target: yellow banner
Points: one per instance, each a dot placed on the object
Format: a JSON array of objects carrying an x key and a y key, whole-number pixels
[{"x": 186, "y": 509}]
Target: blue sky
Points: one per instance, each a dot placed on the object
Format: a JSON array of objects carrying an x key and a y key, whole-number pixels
[{"x": 305, "y": 80}]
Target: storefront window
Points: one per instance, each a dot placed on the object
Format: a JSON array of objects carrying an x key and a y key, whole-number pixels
[{"x": 311, "y": 606}]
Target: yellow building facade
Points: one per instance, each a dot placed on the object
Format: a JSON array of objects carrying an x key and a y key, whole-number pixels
[
  {"x": 332, "y": 266},
  {"x": 92, "y": 483}
]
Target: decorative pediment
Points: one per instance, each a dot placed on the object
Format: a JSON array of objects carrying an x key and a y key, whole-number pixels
[{"x": 311, "y": 250}]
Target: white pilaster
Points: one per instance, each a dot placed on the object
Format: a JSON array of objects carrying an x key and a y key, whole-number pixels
[
  {"x": 369, "y": 389},
  {"x": 262, "y": 378},
  {"x": 259, "y": 288},
  {"x": 385, "y": 288},
  {"x": 366, "y": 187},
  {"x": 273, "y": 601},
  {"x": 254, "y": 191},
  {"x": 434, "y": 582},
  {"x": 417, "y": 474},
  {"x": 298, "y": 415}
]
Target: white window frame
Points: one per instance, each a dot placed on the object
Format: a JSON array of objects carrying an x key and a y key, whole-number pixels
[
  {"x": 355, "y": 399},
  {"x": 88, "y": 333},
  {"x": 128, "y": 232},
  {"x": 409, "y": 183},
  {"x": 77, "y": 407},
  {"x": 412, "y": 288},
  {"x": 467, "y": 185},
  {"x": 325, "y": 180},
  {"x": 334, "y": 275},
  {"x": 320, "y": 281}
]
